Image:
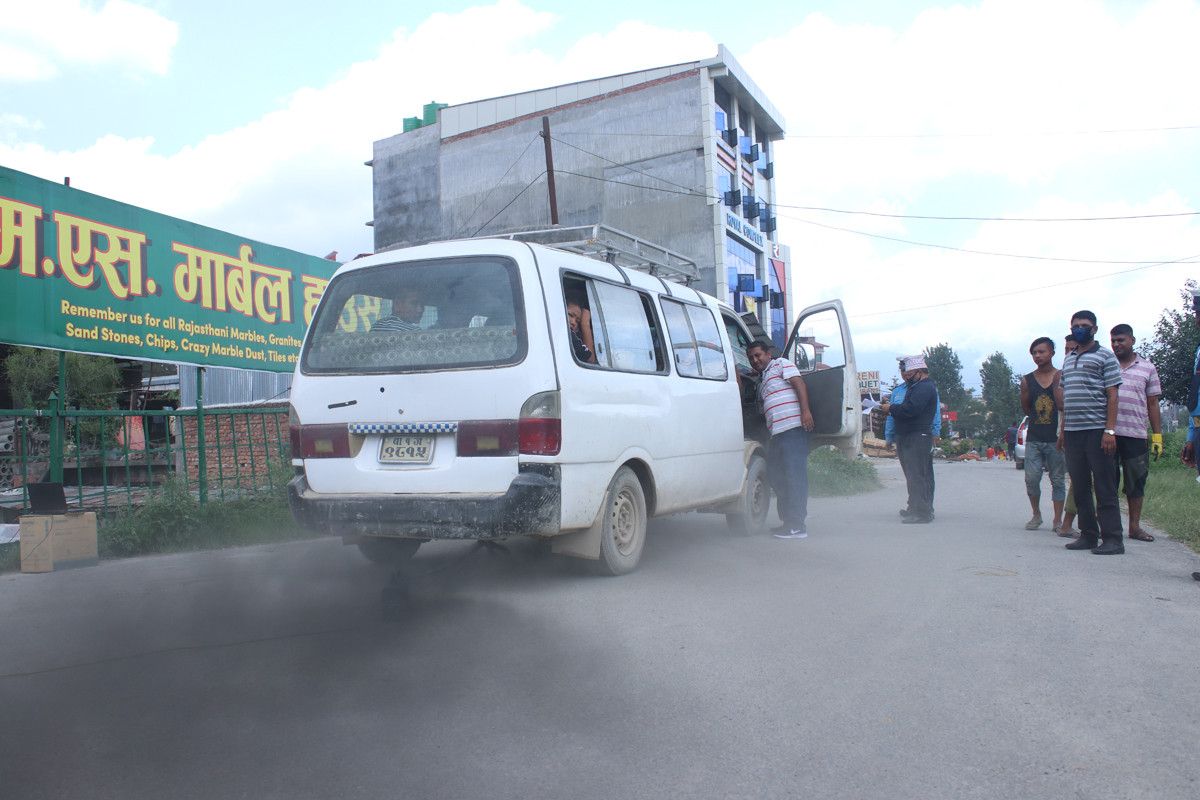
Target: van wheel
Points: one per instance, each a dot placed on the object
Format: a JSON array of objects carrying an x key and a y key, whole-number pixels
[
  {"x": 756, "y": 501},
  {"x": 382, "y": 550},
  {"x": 624, "y": 531},
  {"x": 1019, "y": 463}
]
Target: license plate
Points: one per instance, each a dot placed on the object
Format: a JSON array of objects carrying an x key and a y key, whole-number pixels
[{"x": 406, "y": 449}]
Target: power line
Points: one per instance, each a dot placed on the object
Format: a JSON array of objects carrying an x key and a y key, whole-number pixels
[
  {"x": 687, "y": 192},
  {"x": 990, "y": 134},
  {"x": 972, "y": 252},
  {"x": 497, "y": 186},
  {"x": 510, "y": 202},
  {"x": 1184, "y": 260},
  {"x": 626, "y": 166},
  {"x": 695, "y": 192},
  {"x": 990, "y": 219}
]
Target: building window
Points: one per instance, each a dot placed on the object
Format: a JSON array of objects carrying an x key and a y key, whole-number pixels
[
  {"x": 741, "y": 265},
  {"x": 722, "y": 114},
  {"x": 725, "y": 184}
]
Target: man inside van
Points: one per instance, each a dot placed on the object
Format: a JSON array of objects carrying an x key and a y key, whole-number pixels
[
  {"x": 408, "y": 307},
  {"x": 579, "y": 317},
  {"x": 789, "y": 419}
]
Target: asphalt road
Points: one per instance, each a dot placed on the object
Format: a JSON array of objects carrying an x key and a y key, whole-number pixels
[{"x": 965, "y": 659}]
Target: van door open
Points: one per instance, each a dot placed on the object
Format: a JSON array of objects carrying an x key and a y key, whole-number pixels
[{"x": 820, "y": 346}]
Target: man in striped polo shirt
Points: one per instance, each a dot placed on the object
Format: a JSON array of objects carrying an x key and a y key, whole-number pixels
[
  {"x": 1137, "y": 407},
  {"x": 785, "y": 405},
  {"x": 1091, "y": 378}
]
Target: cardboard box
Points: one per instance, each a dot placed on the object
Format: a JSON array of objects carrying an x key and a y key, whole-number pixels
[{"x": 61, "y": 541}]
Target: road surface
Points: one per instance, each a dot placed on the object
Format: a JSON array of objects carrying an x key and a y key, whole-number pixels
[{"x": 964, "y": 659}]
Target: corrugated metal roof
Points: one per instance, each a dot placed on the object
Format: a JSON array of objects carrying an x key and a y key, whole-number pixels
[{"x": 234, "y": 387}]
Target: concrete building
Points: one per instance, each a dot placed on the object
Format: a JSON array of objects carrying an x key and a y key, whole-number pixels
[{"x": 680, "y": 156}]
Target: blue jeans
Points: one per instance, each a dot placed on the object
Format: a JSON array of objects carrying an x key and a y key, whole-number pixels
[
  {"x": 1045, "y": 456},
  {"x": 787, "y": 470}
]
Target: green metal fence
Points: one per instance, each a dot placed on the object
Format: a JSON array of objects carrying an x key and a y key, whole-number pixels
[{"x": 114, "y": 460}]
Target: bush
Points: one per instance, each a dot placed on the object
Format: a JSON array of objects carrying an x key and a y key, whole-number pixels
[
  {"x": 830, "y": 474},
  {"x": 174, "y": 520}
]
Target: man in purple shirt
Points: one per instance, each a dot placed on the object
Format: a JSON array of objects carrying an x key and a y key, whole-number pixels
[{"x": 1137, "y": 406}]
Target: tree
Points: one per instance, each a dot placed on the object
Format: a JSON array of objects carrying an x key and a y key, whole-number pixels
[
  {"x": 972, "y": 417},
  {"x": 1001, "y": 394},
  {"x": 92, "y": 381},
  {"x": 1172, "y": 350},
  {"x": 946, "y": 371}
]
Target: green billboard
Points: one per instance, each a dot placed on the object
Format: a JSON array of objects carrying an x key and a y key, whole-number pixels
[{"x": 87, "y": 274}]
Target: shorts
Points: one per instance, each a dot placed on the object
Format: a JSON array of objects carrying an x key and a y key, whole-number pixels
[{"x": 1133, "y": 460}]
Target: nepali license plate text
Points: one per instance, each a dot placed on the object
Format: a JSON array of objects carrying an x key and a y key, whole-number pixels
[{"x": 406, "y": 449}]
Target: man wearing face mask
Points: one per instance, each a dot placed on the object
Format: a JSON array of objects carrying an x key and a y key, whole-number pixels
[
  {"x": 1091, "y": 377},
  {"x": 914, "y": 438}
]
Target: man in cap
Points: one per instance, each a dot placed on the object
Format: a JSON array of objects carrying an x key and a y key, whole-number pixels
[
  {"x": 1193, "y": 404},
  {"x": 914, "y": 438},
  {"x": 889, "y": 425}
]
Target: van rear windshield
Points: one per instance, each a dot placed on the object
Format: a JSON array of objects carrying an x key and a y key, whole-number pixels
[{"x": 419, "y": 316}]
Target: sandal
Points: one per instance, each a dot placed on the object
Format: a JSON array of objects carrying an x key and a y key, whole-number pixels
[
  {"x": 1065, "y": 532},
  {"x": 1141, "y": 536},
  {"x": 1033, "y": 524}
]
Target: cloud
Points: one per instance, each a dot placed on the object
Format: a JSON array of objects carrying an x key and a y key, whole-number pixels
[
  {"x": 39, "y": 39},
  {"x": 962, "y": 98},
  {"x": 254, "y": 178},
  {"x": 294, "y": 176}
]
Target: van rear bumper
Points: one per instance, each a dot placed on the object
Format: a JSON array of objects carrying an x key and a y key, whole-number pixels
[{"x": 531, "y": 506}]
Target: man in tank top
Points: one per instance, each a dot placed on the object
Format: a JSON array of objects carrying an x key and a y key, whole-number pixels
[{"x": 1038, "y": 393}]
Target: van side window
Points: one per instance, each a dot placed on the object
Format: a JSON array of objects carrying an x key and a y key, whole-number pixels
[
  {"x": 695, "y": 341},
  {"x": 620, "y": 324}
]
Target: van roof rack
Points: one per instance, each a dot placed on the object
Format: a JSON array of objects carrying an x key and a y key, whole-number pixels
[{"x": 614, "y": 246}]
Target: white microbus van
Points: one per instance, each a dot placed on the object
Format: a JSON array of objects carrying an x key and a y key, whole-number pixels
[{"x": 442, "y": 393}]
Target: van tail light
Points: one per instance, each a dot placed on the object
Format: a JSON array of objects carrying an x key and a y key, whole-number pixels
[
  {"x": 294, "y": 430},
  {"x": 487, "y": 437},
  {"x": 539, "y": 431},
  {"x": 320, "y": 441}
]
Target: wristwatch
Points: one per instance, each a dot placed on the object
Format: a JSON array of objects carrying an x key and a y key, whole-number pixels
[{"x": 1111, "y": 432}]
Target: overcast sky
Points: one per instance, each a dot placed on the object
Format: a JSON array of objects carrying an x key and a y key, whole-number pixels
[{"x": 256, "y": 117}]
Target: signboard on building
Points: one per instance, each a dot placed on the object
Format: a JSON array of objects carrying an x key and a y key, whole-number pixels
[
  {"x": 868, "y": 382},
  {"x": 949, "y": 416},
  {"x": 743, "y": 229},
  {"x": 87, "y": 274}
]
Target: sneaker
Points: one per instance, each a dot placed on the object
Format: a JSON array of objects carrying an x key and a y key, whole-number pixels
[{"x": 795, "y": 533}]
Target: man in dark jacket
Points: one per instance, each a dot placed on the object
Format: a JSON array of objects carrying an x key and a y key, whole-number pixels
[{"x": 914, "y": 440}]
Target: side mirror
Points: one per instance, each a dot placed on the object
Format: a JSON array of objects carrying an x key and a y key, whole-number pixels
[{"x": 806, "y": 357}]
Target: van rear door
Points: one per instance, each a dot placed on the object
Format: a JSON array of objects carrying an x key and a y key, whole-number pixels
[
  {"x": 821, "y": 347},
  {"x": 427, "y": 361}
]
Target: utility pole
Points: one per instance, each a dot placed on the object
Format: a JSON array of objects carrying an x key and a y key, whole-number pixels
[{"x": 550, "y": 171}]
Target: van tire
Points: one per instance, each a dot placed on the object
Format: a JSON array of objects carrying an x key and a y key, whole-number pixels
[
  {"x": 755, "y": 503},
  {"x": 388, "y": 550},
  {"x": 623, "y": 531}
]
